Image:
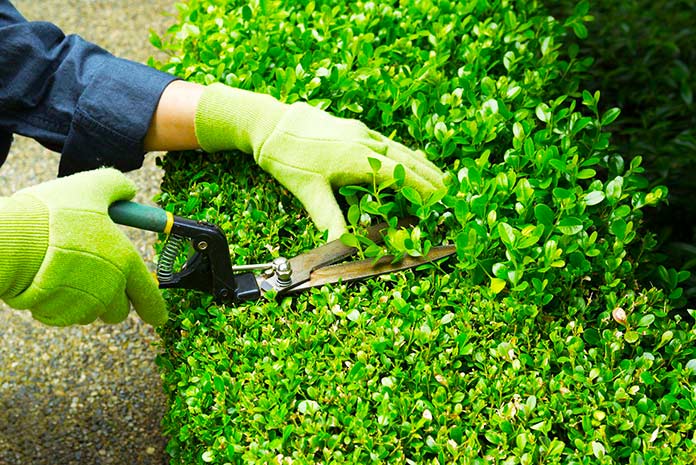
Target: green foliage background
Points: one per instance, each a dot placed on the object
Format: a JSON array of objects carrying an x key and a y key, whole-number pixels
[
  {"x": 645, "y": 63},
  {"x": 537, "y": 343}
]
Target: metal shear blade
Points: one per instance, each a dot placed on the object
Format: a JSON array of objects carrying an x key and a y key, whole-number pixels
[
  {"x": 352, "y": 271},
  {"x": 321, "y": 265}
]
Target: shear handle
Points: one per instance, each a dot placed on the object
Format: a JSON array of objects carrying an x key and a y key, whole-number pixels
[
  {"x": 209, "y": 269},
  {"x": 141, "y": 216}
]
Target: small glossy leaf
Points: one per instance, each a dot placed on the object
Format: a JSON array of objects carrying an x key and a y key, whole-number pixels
[
  {"x": 570, "y": 225},
  {"x": 594, "y": 198},
  {"x": 399, "y": 174},
  {"x": 412, "y": 195},
  {"x": 631, "y": 337},
  {"x": 497, "y": 285},
  {"x": 614, "y": 189},
  {"x": 544, "y": 214},
  {"x": 507, "y": 233},
  {"x": 691, "y": 366},
  {"x": 246, "y": 13},
  {"x": 350, "y": 240},
  {"x": 610, "y": 116},
  {"x": 543, "y": 112},
  {"x": 375, "y": 164}
]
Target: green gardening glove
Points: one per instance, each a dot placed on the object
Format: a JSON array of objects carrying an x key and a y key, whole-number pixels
[
  {"x": 309, "y": 151},
  {"x": 63, "y": 258}
]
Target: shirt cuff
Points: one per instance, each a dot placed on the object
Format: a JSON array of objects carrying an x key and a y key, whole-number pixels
[{"x": 112, "y": 117}]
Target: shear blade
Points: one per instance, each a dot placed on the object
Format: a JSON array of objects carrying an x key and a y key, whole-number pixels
[
  {"x": 333, "y": 252},
  {"x": 352, "y": 271}
]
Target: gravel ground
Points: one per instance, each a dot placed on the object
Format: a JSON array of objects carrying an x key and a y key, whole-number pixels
[{"x": 91, "y": 394}]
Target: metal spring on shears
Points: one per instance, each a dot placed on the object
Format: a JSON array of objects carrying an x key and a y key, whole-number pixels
[{"x": 165, "y": 264}]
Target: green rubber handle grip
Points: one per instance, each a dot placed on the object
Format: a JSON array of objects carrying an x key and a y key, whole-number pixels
[{"x": 140, "y": 216}]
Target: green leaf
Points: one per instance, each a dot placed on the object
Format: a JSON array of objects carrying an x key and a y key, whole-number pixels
[
  {"x": 155, "y": 40},
  {"x": 546, "y": 46},
  {"x": 592, "y": 337},
  {"x": 246, "y": 13},
  {"x": 598, "y": 449},
  {"x": 570, "y": 225},
  {"x": 588, "y": 100},
  {"x": 307, "y": 407},
  {"x": 375, "y": 164},
  {"x": 581, "y": 8},
  {"x": 374, "y": 251},
  {"x": 581, "y": 124},
  {"x": 594, "y": 198},
  {"x": 610, "y": 116},
  {"x": 580, "y": 30},
  {"x": 350, "y": 240},
  {"x": 544, "y": 214},
  {"x": 287, "y": 432},
  {"x": 530, "y": 235},
  {"x": 691, "y": 366},
  {"x": 507, "y": 233},
  {"x": 399, "y": 174},
  {"x": 497, "y": 285},
  {"x": 488, "y": 86},
  {"x": 543, "y": 112},
  {"x": 190, "y": 30},
  {"x": 562, "y": 194},
  {"x": 354, "y": 215},
  {"x": 556, "y": 448},
  {"x": 586, "y": 173},
  {"x": 354, "y": 107},
  {"x": 219, "y": 384},
  {"x": 614, "y": 189},
  {"x": 646, "y": 320},
  {"x": 412, "y": 195},
  {"x": 618, "y": 228},
  {"x": 631, "y": 337}
]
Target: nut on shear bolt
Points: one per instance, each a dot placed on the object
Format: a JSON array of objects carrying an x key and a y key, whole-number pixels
[
  {"x": 279, "y": 269},
  {"x": 283, "y": 271}
]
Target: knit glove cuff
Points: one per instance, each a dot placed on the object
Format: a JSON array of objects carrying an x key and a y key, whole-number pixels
[
  {"x": 23, "y": 243},
  {"x": 228, "y": 118}
]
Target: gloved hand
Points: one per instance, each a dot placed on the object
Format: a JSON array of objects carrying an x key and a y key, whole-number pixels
[
  {"x": 309, "y": 151},
  {"x": 63, "y": 258}
]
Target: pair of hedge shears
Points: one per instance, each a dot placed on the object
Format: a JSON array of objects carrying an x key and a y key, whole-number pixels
[{"x": 209, "y": 269}]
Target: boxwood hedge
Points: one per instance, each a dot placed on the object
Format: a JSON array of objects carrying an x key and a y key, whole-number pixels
[
  {"x": 646, "y": 64},
  {"x": 538, "y": 343}
]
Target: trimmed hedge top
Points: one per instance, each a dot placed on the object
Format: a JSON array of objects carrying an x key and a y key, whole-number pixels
[{"x": 536, "y": 344}]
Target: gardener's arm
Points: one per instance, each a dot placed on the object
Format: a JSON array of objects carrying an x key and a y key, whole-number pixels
[
  {"x": 73, "y": 96},
  {"x": 172, "y": 125}
]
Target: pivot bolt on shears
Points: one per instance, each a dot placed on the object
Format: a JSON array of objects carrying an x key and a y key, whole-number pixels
[{"x": 210, "y": 269}]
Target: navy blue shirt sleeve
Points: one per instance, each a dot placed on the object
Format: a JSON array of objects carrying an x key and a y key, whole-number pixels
[{"x": 73, "y": 96}]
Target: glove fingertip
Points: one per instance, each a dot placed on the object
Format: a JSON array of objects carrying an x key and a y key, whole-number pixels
[
  {"x": 155, "y": 316},
  {"x": 152, "y": 309},
  {"x": 115, "y": 185},
  {"x": 335, "y": 232},
  {"x": 144, "y": 294}
]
